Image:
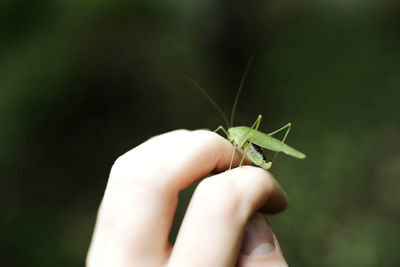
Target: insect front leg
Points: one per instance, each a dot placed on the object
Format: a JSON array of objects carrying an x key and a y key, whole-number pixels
[
  {"x": 222, "y": 129},
  {"x": 255, "y": 126},
  {"x": 233, "y": 154},
  {"x": 234, "y": 147}
]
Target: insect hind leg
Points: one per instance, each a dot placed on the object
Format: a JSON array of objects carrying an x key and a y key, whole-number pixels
[{"x": 288, "y": 127}]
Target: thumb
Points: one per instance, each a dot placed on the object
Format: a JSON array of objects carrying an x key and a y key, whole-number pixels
[{"x": 260, "y": 246}]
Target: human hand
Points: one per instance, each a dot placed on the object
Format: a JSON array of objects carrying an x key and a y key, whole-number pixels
[{"x": 136, "y": 213}]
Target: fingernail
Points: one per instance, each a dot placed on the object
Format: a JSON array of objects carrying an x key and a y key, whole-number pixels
[{"x": 258, "y": 241}]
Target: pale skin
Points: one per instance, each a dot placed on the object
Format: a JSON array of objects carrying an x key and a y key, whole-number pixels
[{"x": 223, "y": 225}]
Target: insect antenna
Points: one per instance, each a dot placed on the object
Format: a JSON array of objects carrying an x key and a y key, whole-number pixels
[
  {"x": 198, "y": 87},
  {"x": 240, "y": 89}
]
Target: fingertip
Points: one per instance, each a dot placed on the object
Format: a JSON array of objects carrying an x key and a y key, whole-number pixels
[{"x": 278, "y": 202}]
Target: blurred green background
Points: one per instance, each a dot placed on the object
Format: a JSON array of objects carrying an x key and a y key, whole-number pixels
[{"x": 82, "y": 82}]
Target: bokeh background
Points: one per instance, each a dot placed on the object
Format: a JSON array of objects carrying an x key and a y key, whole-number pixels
[{"x": 82, "y": 82}]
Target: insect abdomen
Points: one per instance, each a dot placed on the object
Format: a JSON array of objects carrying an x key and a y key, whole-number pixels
[
  {"x": 257, "y": 150},
  {"x": 256, "y": 155}
]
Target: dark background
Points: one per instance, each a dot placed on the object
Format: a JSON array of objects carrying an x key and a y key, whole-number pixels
[{"x": 82, "y": 82}]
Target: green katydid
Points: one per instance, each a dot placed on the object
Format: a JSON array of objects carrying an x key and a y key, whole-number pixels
[{"x": 249, "y": 138}]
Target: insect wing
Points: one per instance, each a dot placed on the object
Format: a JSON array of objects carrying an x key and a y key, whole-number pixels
[{"x": 268, "y": 142}]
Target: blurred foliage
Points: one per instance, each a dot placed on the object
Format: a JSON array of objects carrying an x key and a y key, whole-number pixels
[{"x": 81, "y": 82}]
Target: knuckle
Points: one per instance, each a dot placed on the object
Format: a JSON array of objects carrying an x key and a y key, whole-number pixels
[
  {"x": 128, "y": 170},
  {"x": 120, "y": 167}
]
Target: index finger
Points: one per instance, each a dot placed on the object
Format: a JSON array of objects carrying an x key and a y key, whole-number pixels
[{"x": 181, "y": 156}]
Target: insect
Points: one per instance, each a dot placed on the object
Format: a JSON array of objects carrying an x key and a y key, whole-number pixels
[{"x": 250, "y": 139}]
